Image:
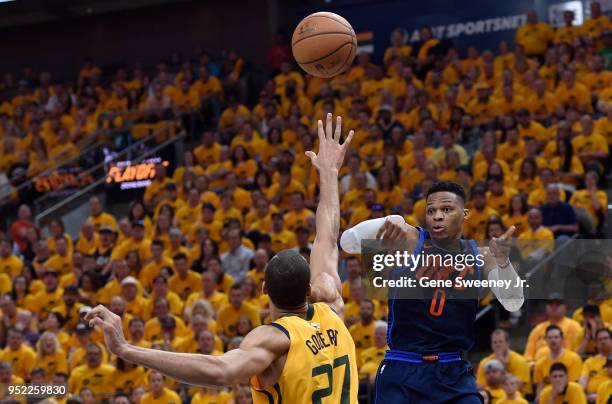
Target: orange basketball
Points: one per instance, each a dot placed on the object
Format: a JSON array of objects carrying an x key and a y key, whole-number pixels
[{"x": 324, "y": 44}]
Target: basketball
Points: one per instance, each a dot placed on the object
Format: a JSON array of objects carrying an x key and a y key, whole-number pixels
[{"x": 324, "y": 44}]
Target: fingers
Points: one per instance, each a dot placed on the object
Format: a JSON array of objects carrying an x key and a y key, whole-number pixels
[
  {"x": 321, "y": 131},
  {"x": 338, "y": 131},
  {"x": 329, "y": 128},
  {"x": 348, "y": 139},
  {"x": 381, "y": 231},
  {"x": 311, "y": 155},
  {"x": 508, "y": 234}
]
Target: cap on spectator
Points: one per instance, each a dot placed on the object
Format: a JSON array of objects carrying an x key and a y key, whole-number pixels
[
  {"x": 482, "y": 85},
  {"x": 208, "y": 205},
  {"x": 71, "y": 290},
  {"x": 129, "y": 280},
  {"x": 377, "y": 207},
  {"x": 609, "y": 361},
  {"x": 106, "y": 229},
  {"x": 555, "y": 297},
  {"x": 82, "y": 328},
  {"x": 139, "y": 223},
  {"x": 493, "y": 364},
  {"x": 385, "y": 107}
]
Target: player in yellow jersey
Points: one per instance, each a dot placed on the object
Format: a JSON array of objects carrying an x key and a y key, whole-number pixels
[{"x": 306, "y": 355}]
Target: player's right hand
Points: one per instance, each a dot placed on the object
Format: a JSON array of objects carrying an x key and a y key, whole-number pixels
[
  {"x": 394, "y": 228},
  {"x": 110, "y": 323}
]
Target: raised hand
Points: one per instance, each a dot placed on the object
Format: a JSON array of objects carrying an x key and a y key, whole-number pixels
[
  {"x": 331, "y": 152},
  {"x": 500, "y": 246},
  {"x": 110, "y": 323}
]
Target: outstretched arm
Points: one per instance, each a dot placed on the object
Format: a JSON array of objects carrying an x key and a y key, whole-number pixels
[
  {"x": 325, "y": 282},
  {"x": 392, "y": 227},
  {"x": 257, "y": 351}
]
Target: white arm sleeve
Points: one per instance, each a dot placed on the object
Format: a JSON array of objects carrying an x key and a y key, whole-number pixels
[
  {"x": 511, "y": 297},
  {"x": 350, "y": 241}
]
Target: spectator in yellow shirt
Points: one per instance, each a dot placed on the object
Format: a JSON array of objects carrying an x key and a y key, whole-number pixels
[
  {"x": 590, "y": 146},
  {"x": 10, "y": 264},
  {"x": 556, "y": 311},
  {"x": 513, "y": 362},
  {"x": 228, "y": 316},
  {"x": 297, "y": 216},
  {"x": 594, "y": 372},
  {"x": 50, "y": 356},
  {"x": 493, "y": 379},
  {"x": 556, "y": 353},
  {"x": 94, "y": 375},
  {"x": 158, "y": 393},
  {"x": 570, "y": 93},
  {"x": 568, "y": 32},
  {"x": 594, "y": 26},
  {"x": 560, "y": 389},
  {"x": 479, "y": 214},
  {"x": 21, "y": 357},
  {"x": 184, "y": 281},
  {"x": 604, "y": 392},
  {"x": 594, "y": 201},
  {"x": 536, "y": 241},
  {"x": 398, "y": 49},
  {"x": 534, "y": 36}
]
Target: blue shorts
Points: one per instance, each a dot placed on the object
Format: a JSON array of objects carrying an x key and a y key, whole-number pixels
[{"x": 440, "y": 382}]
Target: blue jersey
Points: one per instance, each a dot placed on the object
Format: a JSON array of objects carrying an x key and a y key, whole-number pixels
[{"x": 442, "y": 319}]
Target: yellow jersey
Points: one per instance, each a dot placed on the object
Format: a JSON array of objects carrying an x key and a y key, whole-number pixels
[{"x": 321, "y": 364}]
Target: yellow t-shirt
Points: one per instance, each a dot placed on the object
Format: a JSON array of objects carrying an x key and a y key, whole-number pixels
[
  {"x": 604, "y": 392},
  {"x": 228, "y": 317},
  {"x": 534, "y": 38},
  {"x": 475, "y": 224},
  {"x": 11, "y": 266},
  {"x": 128, "y": 381},
  {"x": 205, "y": 397},
  {"x": 570, "y": 359},
  {"x": 22, "y": 360},
  {"x": 535, "y": 341},
  {"x": 582, "y": 199},
  {"x": 53, "y": 363},
  {"x": 167, "y": 397},
  {"x": 594, "y": 369},
  {"x": 321, "y": 361},
  {"x": 98, "y": 379},
  {"x": 185, "y": 286},
  {"x": 369, "y": 360},
  {"x": 529, "y": 240},
  {"x": 363, "y": 335},
  {"x": 573, "y": 394}
]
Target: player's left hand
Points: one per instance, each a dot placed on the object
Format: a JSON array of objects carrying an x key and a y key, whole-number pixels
[
  {"x": 331, "y": 152},
  {"x": 110, "y": 323},
  {"x": 500, "y": 246}
]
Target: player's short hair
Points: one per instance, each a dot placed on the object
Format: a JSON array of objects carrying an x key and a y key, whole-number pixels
[
  {"x": 447, "y": 186},
  {"x": 558, "y": 366},
  {"x": 287, "y": 279},
  {"x": 554, "y": 327}
]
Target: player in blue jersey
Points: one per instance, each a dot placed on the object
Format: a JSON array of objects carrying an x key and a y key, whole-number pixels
[{"x": 428, "y": 334}]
